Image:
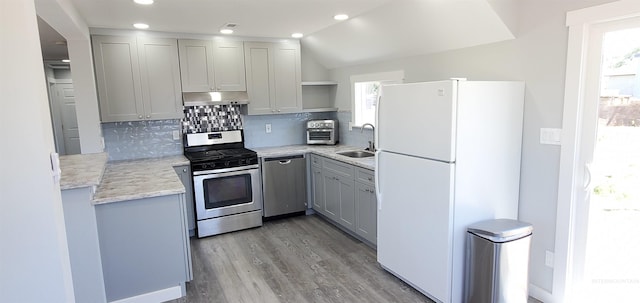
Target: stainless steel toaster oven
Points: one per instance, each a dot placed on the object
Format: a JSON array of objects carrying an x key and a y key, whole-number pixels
[{"x": 322, "y": 132}]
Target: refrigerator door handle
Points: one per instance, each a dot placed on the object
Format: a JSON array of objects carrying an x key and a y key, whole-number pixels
[
  {"x": 377, "y": 180},
  {"x": 377, "y": 122}
]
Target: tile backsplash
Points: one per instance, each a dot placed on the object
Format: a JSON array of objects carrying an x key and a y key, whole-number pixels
[
  {"x": 141, "y": 139},
  {"x": 149, "y": 139},
  {"x": 211, "y": 118},
  {"x": 354, "y": 137},
  {"x": 286, "y": 129}
]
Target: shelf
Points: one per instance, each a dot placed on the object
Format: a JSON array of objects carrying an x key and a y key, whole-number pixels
[
  {"x": 320, "y": 110},
  {"x": 312, "y": 83}
]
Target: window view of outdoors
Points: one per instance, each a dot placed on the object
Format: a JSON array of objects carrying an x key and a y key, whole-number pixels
[
  {"x": 366, "y": 96},
  {"x": 613, "y": 243}
]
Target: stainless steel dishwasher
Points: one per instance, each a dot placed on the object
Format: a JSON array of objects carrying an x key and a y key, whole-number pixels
[{"x": 284, "y": 185}]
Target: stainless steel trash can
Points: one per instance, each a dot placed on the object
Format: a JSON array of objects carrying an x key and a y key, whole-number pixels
[{"x": 497, "y": 261}]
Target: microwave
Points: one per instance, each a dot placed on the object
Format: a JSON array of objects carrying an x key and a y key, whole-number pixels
[{"x": 322, "y": 132}]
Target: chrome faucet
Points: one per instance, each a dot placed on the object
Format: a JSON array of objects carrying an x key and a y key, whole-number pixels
[{"x": 372, "y": 143}]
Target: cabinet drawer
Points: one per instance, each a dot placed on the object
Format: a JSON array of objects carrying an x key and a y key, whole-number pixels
[
  {"x": 338, "y": 167},
  {"x": 365, "y": 176},
  {"x": 316, "y": 160}
]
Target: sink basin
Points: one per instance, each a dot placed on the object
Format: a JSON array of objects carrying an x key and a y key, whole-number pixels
[{"x": 357, "y": 154}]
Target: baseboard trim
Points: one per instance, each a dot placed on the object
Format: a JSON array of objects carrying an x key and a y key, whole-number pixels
[
  {"x": 162, "y": 295},
  {"x": 540, "y": 294}
]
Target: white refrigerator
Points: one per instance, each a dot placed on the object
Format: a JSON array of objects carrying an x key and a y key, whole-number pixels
[{"x": 448, "y": 156}]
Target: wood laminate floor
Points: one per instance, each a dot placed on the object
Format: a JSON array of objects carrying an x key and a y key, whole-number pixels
[{"x": 299, "y": 259}]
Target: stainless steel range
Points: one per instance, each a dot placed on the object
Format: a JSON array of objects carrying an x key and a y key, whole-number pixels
[{"x": 226, "y": 182}]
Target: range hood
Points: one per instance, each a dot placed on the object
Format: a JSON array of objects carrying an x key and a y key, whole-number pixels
[{"x": 215, "y": 98}]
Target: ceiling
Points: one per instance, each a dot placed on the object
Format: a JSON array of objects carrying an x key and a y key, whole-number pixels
[
  {"x": 53, "y": 45},
  {"x": 377, "y": 29}
]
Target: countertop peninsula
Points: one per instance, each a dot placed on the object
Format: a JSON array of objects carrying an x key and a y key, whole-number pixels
[
  {"x": 84, "y": 170},
  {"x": 142, "y": 178}
]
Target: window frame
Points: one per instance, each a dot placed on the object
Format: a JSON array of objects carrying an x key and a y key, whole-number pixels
[{"x": 391, "y": 77}]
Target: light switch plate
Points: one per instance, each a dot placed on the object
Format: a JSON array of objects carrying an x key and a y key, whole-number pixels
[
  {"x": 176, "y": 135},
  {"x": 267, "y": 128},
  {"x": 548, "y": 259},
  {"x": 550, "y": 136}
]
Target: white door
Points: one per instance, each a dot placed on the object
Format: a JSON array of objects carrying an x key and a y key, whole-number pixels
[
  {"x": 424, "y": 112},
  {"x": 607, "y": 220},
  {"x": 415, "y": 200},
  {"x": 63, "y": 116}
]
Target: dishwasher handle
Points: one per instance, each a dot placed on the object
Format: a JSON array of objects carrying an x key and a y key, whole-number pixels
[{"x": 284, "y": 159}]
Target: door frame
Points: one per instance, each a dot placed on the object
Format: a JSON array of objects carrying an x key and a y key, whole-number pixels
[{"x": 571, "y": 175}]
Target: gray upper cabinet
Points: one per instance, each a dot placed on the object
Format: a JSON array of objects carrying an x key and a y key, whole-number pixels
[
  {"x": 137, "y": 78},
  {"x": 273, "y": 77},
  {"x": 207, "y": 65}
]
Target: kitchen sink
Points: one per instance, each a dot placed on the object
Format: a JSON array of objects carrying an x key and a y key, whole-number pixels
[{"x": 357, "y": 154}]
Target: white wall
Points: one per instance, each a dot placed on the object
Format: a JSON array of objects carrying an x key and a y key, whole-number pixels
[
  {"x": 537, "y": 56},
  {"x": 34, "y": 259},
  {"x": 63, "y": 17}
]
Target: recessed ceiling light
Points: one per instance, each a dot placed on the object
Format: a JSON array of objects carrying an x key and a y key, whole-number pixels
[
  {"x": 143, "y": 2},
  {"x": 341, "y": 17},
  {"x": 226, "y": 31},
  {"x": 141, "y": 25},
  {"x": 65, "y": 60},
  {"x": 297, "y": 35}
]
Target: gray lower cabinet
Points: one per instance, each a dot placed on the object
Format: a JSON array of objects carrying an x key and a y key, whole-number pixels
[
  {"x": 144, "y": 245},
  {"x": 317, "y": 188},
  {"x": 345, "y": 195},
  {"x": 184, "y": 172},
  {"x": 366, "y": 211}
]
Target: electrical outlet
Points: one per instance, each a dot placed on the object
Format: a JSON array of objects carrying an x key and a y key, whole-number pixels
[
  {"x": 267, "y": 128},
  {"x": 548, "y": 259},
  {"x": 176, "y": 135}
]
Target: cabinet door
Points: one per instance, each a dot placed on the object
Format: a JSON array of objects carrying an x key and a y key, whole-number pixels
[
  {"x": 196, "y": 65},
  {"x": 331, "y": 195},
  {"x": 317, "y": 189},
  {"x": 184, "y": 172},
  {"x": 118, "y": 78},
  {"x": 228, "y": 63},
  {"x": 286, "y": 66},
  {"x": 160, "y": 75},
  {"x": 347, "y": 203},
  {"x": 259, "y": 73},
  {"x": 366, "y": 212}
]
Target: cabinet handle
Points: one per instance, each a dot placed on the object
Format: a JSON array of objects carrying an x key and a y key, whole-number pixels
[
  {"x": 184, "y": 170},
  {"x": 278, "y": 110},
  {"x": 139, "y": 116},
  {"x": 370, "y": 179},
  {"x": 273, "y": 110},
  {"x": 148, "y": 116}
]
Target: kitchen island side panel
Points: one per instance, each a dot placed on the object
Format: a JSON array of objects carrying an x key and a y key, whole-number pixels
[{"x": 142, "y": 244}]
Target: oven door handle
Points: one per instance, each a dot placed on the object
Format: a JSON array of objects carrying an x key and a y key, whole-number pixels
[{"x": 225, "y": 170}]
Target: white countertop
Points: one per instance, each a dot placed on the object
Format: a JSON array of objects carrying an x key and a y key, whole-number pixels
[
  {"x": 329, "y": 151},
  {"x": 136, "y": 179},
  {"x": 84, "y": 170}
]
